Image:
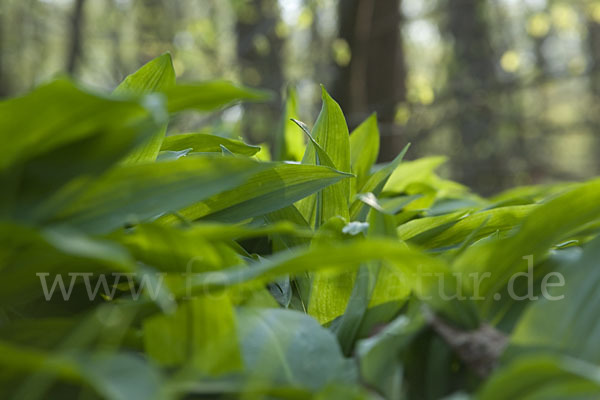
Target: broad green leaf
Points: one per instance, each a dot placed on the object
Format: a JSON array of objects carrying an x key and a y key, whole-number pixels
[
  {"x": 375, "y": 284},
  {"x": 321, "y": 156},
  {"x": 292, "y": 215},
  {"x": 31, "y": 260},
  {"x": 323, "y": 199},
  {"x": 64, "y": 114},
  {"x": 389, "y": 287},
  {"x": 416, "y": 171},
  {"x": 529, "y": 194},
  {"x": 119, "y": 376},
  {"x": 205, "y": 143},
  {"x": 276, "y": 186},
  {"x": 330, "y": 146},
  {"x": 288, "y": 347},
  {"x": 331, "y": 133},
  {"x": 387, "y": 205},
  {"x": 458, "y": 228},
  {"x": 528, "y": 288},
  {"x": 364, "y": 148},
  {"x": 571, "y": 294},
  {"x": 136, "y": 193},
  {"x": 375, "y": 184},
  {"x": 200, "y": 334},
  {"x": 156, "y": 76},
  {"x": 75, "y": 134},
  {"x": 543, "y": 377},
  {"x": 330, "y": 289},
  {"x": 198, "y": 248},
  {"x": 356, "y": 306},
  {"x": 380, "y": 355},
  {"x": 548, "y": 225},
  {"x": 421, "y": 229},
  {"x": 169, "y": 249},
  {"x": 417, "y": 270},
  {"x": 209, "y": 96}
]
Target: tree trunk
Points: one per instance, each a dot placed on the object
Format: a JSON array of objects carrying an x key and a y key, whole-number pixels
[
  {"x": 374, "y": 80},
  {"x": 4, "y": 89},
  {"x": 75, "y": 47},
  {"x": 259, "y": 56},
  {"x": 471, "y": 78},
  {"x": 594, "y": 73},
  {"x": 117, "y": 67}
]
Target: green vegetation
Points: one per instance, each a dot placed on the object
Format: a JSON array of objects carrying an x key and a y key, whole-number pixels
[{"x": 136, "y": 265}]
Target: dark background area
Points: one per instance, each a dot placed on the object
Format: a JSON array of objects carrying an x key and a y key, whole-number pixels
[{"x": 508, "y": 90}]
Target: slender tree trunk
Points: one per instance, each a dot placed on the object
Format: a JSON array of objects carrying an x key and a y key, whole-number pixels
[
  {"x": 374, "y": 80},
  {"x": 4, "y": 89},
  {"x": 75, "y": 46},
  {"x": 115, "y": 41},
  {"x": 594, "y": 49},
  {"x": 386, "y": 73},
  {"x": 471, "y": 78},
  {"x": 594, "y": 71},
  {"x": 319, "y": 45},
  {"x": 259, "y": 56},
  {"x": 537, "y": 170}
]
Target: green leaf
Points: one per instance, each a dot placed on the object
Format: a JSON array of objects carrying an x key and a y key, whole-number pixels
[
  {"x": 200, "y": 247},
  {"x": 63, "y": 114},
  {"x": 209, "y": 96},
  {"x": 375, "y": 184},
  {"x": 291, "y": 348},
  {"x": 548, "y": 225},
  {"x": 277, "y": 186},
  {"x": 417, "y": 270},
  {"x": 332, "y": 197},
  {"x": 455, "y": 228},
  {"x": 75, "y": 134},
  {"x": 576, "y": 302},
  {"x": 137, "y": 193},
  {"x": 30, "y": 257},
  {"x": 330, "y": 289},
  {"x": 373, "y": 286},
  {"x": 331, "y": 133},
  {"x": 421, "y": 229},
  {"x": 364, "y": 148},
  {"x": 156, "y": 76},
  {"x": 380, "y": 355},
  {"x": 543, "y": 377},
  {"x": 200, "y": 334},
  {"x": 119, "y": 376},
  {"x": 205, "y": 143},
  {"x": 416, "y": 171},
  {"x": 292, "y": 215},
  {"x": 321, "y": 156}
]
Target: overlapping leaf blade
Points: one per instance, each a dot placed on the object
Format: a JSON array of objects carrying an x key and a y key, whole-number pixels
[
  {"x": 331, "y": 134},
  {"x": 206, "y": 143},
  {"x": 276, "y": 187},
  {"x": 208, "y": 96},
  {"x": 156, "y": 76},
  {"x": 137, "y": 193}
]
